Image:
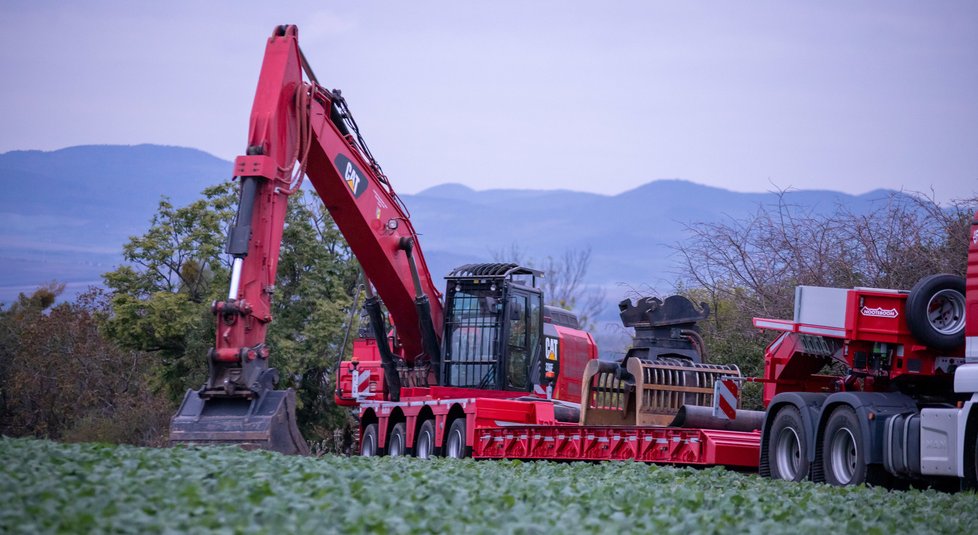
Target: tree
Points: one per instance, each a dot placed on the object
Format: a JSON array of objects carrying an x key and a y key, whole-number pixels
[
  {"x": 317, "y": 276},
  {"x": 564, "y": 280},
  {"x": 760, "y": 259},
  {"x": 160, "y": 303}
]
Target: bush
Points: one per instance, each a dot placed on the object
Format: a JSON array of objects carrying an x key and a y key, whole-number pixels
[
  {"x": 137, "y": 422},
  {"x": 62, "y": 379}
]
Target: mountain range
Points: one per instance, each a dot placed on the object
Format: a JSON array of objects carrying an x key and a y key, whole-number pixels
[{"x": 65, "y": 215}]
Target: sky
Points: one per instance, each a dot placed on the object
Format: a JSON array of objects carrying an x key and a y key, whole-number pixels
[{"x": 590, "y": 96}]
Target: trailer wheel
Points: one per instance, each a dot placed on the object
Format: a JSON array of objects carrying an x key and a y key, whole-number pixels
[
  {"x": 787, "y": 447},
  {"x": 842, "y": 451},
  {"x": 455, "y": 441},
  {"x": 424, "y": 443},
  {"x": 935, "y": 311},
  {"x": 368, "y": 442},
  {"x": 395, "y": 443}
]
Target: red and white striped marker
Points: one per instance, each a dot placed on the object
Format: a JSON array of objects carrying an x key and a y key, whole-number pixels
[{"x": 725, "y": 395}]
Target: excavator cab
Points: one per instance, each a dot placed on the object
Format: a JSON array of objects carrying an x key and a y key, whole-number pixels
[{"x": 493, "y": 328}]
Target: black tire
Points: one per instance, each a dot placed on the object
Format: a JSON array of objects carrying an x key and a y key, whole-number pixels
[
  {"x": 455, "y": 447},
  {"x": 970, "y": 481},
  {"x": 935, "y": 311},
  {"x": 843, "y": 451},
  {"x": 424, "y": 441},
  {"x": 787, "y": 446},
  {"x": 368, "y": 441},
  {"x": 397, "y": 442}
]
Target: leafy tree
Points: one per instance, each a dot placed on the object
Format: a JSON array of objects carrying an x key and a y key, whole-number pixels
[
  {"x": 159, "y": 301},
  {"x": 317, "y": 276}
]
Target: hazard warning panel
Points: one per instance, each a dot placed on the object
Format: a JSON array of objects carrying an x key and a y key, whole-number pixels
[{"x": 726, "y": 392}]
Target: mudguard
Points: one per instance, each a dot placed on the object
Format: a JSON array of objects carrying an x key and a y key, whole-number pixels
[{"x": 883, "y": 405}]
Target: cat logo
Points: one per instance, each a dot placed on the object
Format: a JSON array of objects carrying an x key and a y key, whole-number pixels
[
  {"x": 551, "y": 362},
  {"x": 351, "y": 176},
  {"x": 552, "y": 349},
  {"x": 354, "y": 178}
]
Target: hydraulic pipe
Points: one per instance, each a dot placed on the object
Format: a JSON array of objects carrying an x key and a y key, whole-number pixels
[
  {"x": 429, "y": 340},
  {"x": 388, "y": 362},
  {"x": 240, "y": 233},
  {"x": 346, "y": 332},
  {"x": 235, "y": 278},
  {"x": 698, "y": 342},
  {"x": 406, "y": 245}
]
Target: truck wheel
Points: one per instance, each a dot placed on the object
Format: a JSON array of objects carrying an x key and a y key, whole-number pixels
[
  {"x": 368, "y": 441},
  {"x": 424, "y": 443},
  {"x": 397, "y": 440},
  {"x": 935, "y": 311},
  {"x": 842, "y": 451},
  {"x": 787, "y": 447},
  {"x": 455, "y": 441},
  {"x": 970, "y": 481}
]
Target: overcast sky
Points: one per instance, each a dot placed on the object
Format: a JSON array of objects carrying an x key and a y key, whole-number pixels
[{"x": 590, "y": 96}]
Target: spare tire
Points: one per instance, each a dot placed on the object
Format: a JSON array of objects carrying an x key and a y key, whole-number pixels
[{"x": 935, "y": 311}]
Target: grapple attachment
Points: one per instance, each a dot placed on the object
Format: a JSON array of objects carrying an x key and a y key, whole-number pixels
[
  {"x": 641, "y": 392},
  {"x": 266, "y": 421}
]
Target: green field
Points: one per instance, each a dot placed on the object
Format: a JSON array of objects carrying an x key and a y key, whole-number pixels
[{"x": 52, "y": 487}]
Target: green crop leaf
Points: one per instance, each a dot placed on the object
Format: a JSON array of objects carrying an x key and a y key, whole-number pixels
[{"x": 50, "y": 487}]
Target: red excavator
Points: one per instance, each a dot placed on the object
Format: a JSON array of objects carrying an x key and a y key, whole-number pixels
[{"x": 489, "y": 344}]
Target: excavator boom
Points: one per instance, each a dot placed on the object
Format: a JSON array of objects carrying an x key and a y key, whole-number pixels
[{"x": 297, "y": 129}]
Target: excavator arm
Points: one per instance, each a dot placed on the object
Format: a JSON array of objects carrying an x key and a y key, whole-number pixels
[{"x": 297, "y": 129}]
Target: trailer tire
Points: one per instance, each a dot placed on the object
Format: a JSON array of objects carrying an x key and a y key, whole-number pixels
[
  {"x": 935, "y": 311},
  {"x": 787, "y": 446},
  {"x": 397, "y": 440},
  {"x": 843, "y": 455},
  {"x": 424, "y": 442},
  {"x": 455, "y": 447},
  {"x": 368, "y": 441}
]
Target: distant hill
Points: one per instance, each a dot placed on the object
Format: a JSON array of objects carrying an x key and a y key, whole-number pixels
[
  {"x": 631, "y": 234},
  {"x": 65, "y": 214}
]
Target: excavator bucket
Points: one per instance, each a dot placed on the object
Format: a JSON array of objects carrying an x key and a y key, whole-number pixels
[
  {"x": 647, "y": 392},
  {"x": 264, "y": 422}
]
